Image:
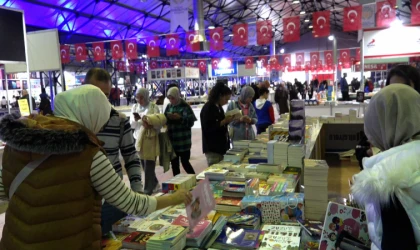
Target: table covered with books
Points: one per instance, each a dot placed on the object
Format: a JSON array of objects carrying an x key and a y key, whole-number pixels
[{"x": 265, "y": 194}]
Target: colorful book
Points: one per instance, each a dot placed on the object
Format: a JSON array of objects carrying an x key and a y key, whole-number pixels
[
  {"x": 197, "y": 231},
  {"x": 128, "y": 224},
  {"x": 202, "y": 203},
  {"x": 168, "y": 236},
  {"x": 113, "y": 241},
  {"x": 153, "y": 226},
  {"x": 282, "y": 230},
  {"x": 279, "y": 242},
  {"x": 137, "y": 240},
  {"x": 228, "y": 201},
  {"x": 244, "y": 239},
  {"x": 313, "y": 228}
]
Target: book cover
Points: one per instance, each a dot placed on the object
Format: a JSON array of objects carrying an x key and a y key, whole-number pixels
[
  {"x": 168, "y": 234},
  {"x": 313, "y": 228},
  {"x": 137, "y": 240},
  {"x": 197, "y": 230},
  {"x": 278, "y": 242},
  {"x": 339, "y": 218},
  {"x": 128, "y": 224},
  {"x": 113, "y": 241},
  {"x": 153, "y": 226},
  {"x": 228, "y": 201},
  {"x": 202, "y": 203},
  {"x": 281, "y": 230},
  {"x": 240, "y": 238}
]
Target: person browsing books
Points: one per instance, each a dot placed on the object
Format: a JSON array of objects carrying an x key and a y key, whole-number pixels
[
  {"x": 241, "y": 129},
  {"x": 389, "y": 185},
  {"x": 180, "y": 118},
  {"x": 264, "y": 110},
  {"x": 214, "y": 124},
  {"x": 58, "y": 204}
]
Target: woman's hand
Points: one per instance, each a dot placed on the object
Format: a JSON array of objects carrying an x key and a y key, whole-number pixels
[
  {"x": 182, "y": 196},
  {"x": 227, "y": 120},
  {"x": 174, "y": 116},
  {"x": 246, "y": 119}
]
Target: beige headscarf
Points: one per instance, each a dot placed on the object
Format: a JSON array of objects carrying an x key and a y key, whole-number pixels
[
  {"x": 174, "y": 92},
  {"x": 86, "y": 105},
  {"x": 393, "y": 116}
]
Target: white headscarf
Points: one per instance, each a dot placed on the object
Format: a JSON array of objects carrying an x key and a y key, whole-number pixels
[
  {"x": 174, "y": 92},
  {"x": 145, "y": 94},
  {"x": 393, "y": 116},
  {"x": 86, "y": 105}
]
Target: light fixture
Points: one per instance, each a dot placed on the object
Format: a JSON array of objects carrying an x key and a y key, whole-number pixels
[
  {"x": 295, "y": 2},
  {"x": 331, "y": 38},
  {"x": 282, "y": 51},
  {"x": 265, "y": 47},
  {"x": 302, "y": 12},
  {"x": 230, "y": 34},
  {"x": 310, "y": 26},
  {"x": 211, "y": 27},
  {"x": 306, "y": 20}
]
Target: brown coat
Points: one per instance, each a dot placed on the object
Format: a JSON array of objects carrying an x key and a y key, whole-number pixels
[{"x": 55, "y": 207}]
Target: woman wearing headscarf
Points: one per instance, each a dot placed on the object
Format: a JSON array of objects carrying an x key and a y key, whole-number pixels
[
  {"x": 147, "y": 147},
  {"x": 389, "y": 185},
  {"x": 55, "y": 174},
  {"x": 242, "y": 129},
  {"x": 281, "y": 97},
  {"x": 180, "y": 118}
]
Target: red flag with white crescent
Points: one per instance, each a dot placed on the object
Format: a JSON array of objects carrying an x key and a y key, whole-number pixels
[
  {"x": 216, "y": 39},
  {"x": 264, "y": 32},
  {"x": 117, "y": 50},
  {"x": 274, "y": 63},
  {"x": 264, "y": 61},
  {"x": 139, "y": 68},
  {"x": 287, "y": 60},
  {"x": 385, "y": 13},
  {"x": 291, "y": 29},
  {"x": 172, "y": 45},
  {"x": 307, "y": 66},
  {"x": 131, "y": 49},
  {"x": 166, "y": 64},
  {"x": 352, "y": 20},
  {"x": 132, "y": 66},
  {"x": 98, "y": 51},
  {"x": 65, "y": 54},
  {"x": 249, "y": 62},
  {"x": 344, "y": 56},
  {"x": 153, "y": 64},
  {"x": 153, "y": 46},
  {"x": 358, "y": 53},
  {"x": 321, "y": 23},
  {"x": 240, "y": 34},
  {"x": 328, "y": 57},
  {"x": 191, "y": 38},
  {"x": 300, "y": 58},
  {"x": 189, "y": 63},
  {"x": 215, "y": 63},
  {"x": 121, "y": 67},
  {"x": 415, "y": 11},
  {"x": 177, "y": 63},
  {"x": 81, "y": 53},
  {"x": 314, "y": 58},
  {"x": 202, "y": 65}
]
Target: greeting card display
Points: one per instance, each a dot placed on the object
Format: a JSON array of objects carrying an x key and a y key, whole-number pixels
[
  {"x": 339, "y": 218},
  {"x": 286, "y": 208},
  {"x": 202, "y": 203}
]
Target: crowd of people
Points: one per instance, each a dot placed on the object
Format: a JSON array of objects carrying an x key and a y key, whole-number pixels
[{"x": 86, "y": 129}]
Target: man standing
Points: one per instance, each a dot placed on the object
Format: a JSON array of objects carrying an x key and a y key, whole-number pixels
[
  {"x": 344, "y": 88},
  {"x": 118, "y": 137},
  {"x": 300, "y": 88}
]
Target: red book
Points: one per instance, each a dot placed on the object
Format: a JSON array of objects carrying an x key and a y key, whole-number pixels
[
  {"x": 229, "y": 201},
  {"x": 137, "y": 240},
  {"x": 197, "y": 230}
]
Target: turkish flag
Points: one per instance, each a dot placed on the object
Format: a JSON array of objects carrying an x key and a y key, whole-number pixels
[
  {"x": 191, "y": 38},
  {"x": 385, "y": 13},
  {"x": 216, "y": 39},
  {"x": 319, "y": 65},
  {"x": 189, "y": 63},
  {"x": 132, "y": 67},
  {"x": 153, "y": 46},
  {"x": 352, "y": 20},
  {"x": 240, "y": 34},
  {"x": 307, "y": 66},
  {"x": 215, "y": 63},
  {"x": 344, "y": 56},
  {"x": 139, "y": 68},
  {"x": 263, "y": 60},
  {"x": 314, "y": 58},
  {"x": 328, "y": 57},
  {"x": 177, "y": 63},
  {"x": 80, "y": 50},
  {"x": 117, "y": 50},
  {"x": 65, "y": 54},
  {"x": 291, "y": 29},
  {"x": 98, "y": 51},
  {"x": 264, "y": 32},
  {"x": 321, "y": 23},
  {"x": 287, "y": 60},
  {"x": 131, "y": 49},
  {"x": 358, "y": 55},
  {"x": 300, "y": 58},
  {"x": 352, "y": 60},
  {"x": 121, "y": 67},
  {"x": 166, "y": 64},
  {"x": 415, "y": 11},
  {"x": 153, "y": 64},
  {"x": 249, "y": 62},
  {"x": 202, "y": 65},
  {"x": 172, "y": 45},
  {"x": 274, "y": 63}
]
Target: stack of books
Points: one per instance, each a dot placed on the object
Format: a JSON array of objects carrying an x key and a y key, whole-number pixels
[
  {"x": 222, "y": 165},
  {"x": 128, "y": 224},
  {"x": 238, "y": 239},
  {"x": 227, "y": 204},
  {"x": 278, "y": 188},
  {"x": 235, "y": 155},
  {"x": 237, "y": 168},
  {"x": 171, "y": 237},
  {"x": 257, "y": 159},
  {"x": 215, "y": 232},
  {"x": 261, "y": 176},
  {"x": 234, "y": 192},
  {"x": 296, "y": 154},
  {"x": 297, "y": 121},
  {"x": 277, "y": 152},
  {"x": 202, "y": 175},
  {"x": 195, "y": 236},
  {"x": 241, "y": 144},
  {"x": 244, "y": 221},
  {"x": 136, "y": 240},
  {"x": 315, "y": 175},
  {"x": 287, "y": 237},
  {"x": 257, "y": 145},
  {"x": 113, "y": 240},
  {"x": 216, "y": 174},
  {"x": 269, "y": 168},
  {"x": 181, "y": 181},
  {"x": 233, "y": 176},
  {"x": 252, "y": 186}
]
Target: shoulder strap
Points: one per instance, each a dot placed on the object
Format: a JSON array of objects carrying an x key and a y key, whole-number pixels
[{"x": 27, "y": 170}]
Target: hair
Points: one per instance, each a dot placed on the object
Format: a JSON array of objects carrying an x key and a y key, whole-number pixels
[
  {"x": 219, "y": 90},
  {"x": 263, "y": 91},
  {"x": 408, "y": 73},
  {"x": 97, "y": 74}
]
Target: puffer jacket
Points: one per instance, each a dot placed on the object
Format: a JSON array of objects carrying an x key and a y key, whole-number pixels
[{"x": 395, "y": 172}]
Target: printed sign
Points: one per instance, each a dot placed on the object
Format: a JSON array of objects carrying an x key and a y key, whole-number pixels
[{"x": 24, "y": 107}]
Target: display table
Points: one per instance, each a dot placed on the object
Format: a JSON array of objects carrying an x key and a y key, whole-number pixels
[{"x": 330, "y": 108}]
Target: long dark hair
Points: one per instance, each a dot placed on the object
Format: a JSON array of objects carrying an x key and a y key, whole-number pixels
[
  {"x": 408, "y": 73},
  {"x": 219, "y": 90}
]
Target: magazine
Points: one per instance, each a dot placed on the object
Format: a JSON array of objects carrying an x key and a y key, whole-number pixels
[{"x": 202, "y": 203}]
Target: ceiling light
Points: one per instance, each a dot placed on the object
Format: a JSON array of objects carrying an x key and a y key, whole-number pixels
[
  {"x": 310, "y": 26},
  {"x": 211, "y": 27},
  {"x": 230, "y": 34},
  {"x": 265, "y": 47},
  {"x": 295, "y": 2},
  {"x": 331, "y": 38},
  {"x": 302, "y": 12},
  {"x": 306, "y": 20},
  {"x": 282, "y": 51}
]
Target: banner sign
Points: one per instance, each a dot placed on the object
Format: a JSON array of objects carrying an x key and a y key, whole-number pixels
[
  {"x": 377, "y": 42},
  {"x": 179, "y": 14},
  {"x": 226, "y": 71},
  {"x": 372, "y": 67}
]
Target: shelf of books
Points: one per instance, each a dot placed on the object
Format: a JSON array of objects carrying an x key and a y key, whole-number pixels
[{"x": 265, "y": 194}]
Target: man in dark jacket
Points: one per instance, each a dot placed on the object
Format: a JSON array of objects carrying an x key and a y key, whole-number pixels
[{"x": 344, "y": 88}]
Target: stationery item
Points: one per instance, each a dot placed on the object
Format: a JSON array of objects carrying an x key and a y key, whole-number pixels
[
  {"x": 202, "y": 203},
  {"x": 286, "y": 208}
]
